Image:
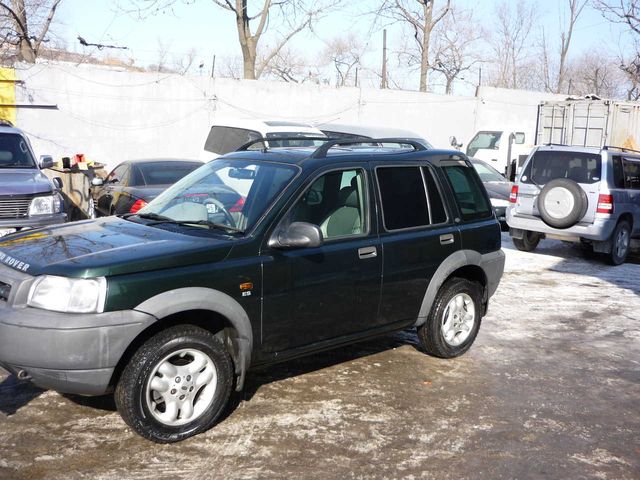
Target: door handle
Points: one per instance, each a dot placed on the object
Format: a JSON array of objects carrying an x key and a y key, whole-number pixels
[
  {"x": 446, "y": 239},
  {"x": 367, "y": 252}
]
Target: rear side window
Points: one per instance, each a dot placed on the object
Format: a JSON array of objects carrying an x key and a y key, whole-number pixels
[
  {"x": 223, "y": 140},
  {"x": 165, "y": 173},
  {"x": 631, "y": 174},
  {"x": 468, "y": 191},
  {"x": 618, "y": 173},
  {"x": 545, "y": 166},
  {"x": 404, "y": 200},
  {"x": 438, "y": 213}
]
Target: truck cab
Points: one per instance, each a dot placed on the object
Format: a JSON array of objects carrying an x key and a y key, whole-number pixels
[{"x": 499, "y": 148}]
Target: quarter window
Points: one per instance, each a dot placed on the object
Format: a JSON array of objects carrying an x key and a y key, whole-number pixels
[
  {"x": 468, "y": 190},
  {"x": 438, "y": 213}
]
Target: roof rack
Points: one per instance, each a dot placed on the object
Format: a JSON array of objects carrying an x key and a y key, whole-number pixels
[
  {"x": 264, "y": 141},
  {"x": 5, "y": 123},
  {"x": 612, "y": 147},
  {"x": 321, "y": 151}
]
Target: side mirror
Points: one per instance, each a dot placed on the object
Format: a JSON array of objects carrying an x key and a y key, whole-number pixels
[
  {"x": 57, "y": 182},
  {"x": 297, "y": 235},
  {"x": 46, "y": 161},
  {"x": 97, "y": 182},
  {"x": 454, "y": 142}
]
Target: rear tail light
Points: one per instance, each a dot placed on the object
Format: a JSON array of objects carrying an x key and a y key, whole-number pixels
[
  {"x": 513, "y": 198},
  {"x": 137, "y": 206},
  {"x": 237, "y": 207},
  {"x": 605, "y": 203}
]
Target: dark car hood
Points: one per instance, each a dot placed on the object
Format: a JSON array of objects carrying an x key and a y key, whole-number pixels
[
  {"x": 500, "y": 190},
  {"x": 107, "y": 246},
  {"x": 23, "y": 181}
]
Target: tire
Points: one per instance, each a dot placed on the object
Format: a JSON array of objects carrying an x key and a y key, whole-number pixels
[
  {"x": 444, "y": 335},
  {"x": 620, "y": 242},
  {"x": 529, "y": 241},
  {"x": 140, "y": 402},
  {"x": 561, "y": 203}
]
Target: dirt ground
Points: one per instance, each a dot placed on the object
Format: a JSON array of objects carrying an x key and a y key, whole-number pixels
[{"x": 551, "y": 389}]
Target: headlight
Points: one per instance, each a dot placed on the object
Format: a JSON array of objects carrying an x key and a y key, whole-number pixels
[
  {"x": 497, "y": 202},
  {"x": 73, "y": 295},
  {"x": 45, "y": 205}
]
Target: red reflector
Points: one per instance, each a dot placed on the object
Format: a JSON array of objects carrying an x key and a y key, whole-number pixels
[
  {"x": 238, "y": 205},
  {"x": 137, "y": 206},
  {"x": 513, "y": 198},
  {"x": 605, "y": 204}
]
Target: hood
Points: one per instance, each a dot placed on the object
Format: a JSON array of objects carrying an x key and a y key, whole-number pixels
[
  {"x": 23, "y": 181},
  {"x": 500, "y": 190},
  {"x": 105, "y": 247}
]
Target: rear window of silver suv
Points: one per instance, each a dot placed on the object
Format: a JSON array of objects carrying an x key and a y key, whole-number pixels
[{"x": 547, "y": 165}]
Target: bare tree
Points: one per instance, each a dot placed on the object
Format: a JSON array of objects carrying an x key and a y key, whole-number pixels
[
  {"x": 575, "y": 9},
  {"x": 510, "y": 43},
  {"x": 288, "y": 66},
  {"x": 596, "y": 72},
  {"x": 455, "y": 39},
  {"x": 626, "y": 12},
  {"x": 294, "y": 16},
  {"x": 184, "y": 62},
  {"x": 25, "y": 24},
  {"x": 344, "y": 54},
  {"x": 420, "y": 17}
]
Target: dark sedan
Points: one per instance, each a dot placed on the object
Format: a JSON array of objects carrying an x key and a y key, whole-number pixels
[
  {"x": 134, "y": 183},
  {"x": 498, "y": 188}
]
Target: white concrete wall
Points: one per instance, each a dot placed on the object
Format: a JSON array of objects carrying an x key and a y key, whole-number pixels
[{"x": 112, "y": 115}]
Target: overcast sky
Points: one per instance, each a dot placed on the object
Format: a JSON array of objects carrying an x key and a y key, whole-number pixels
[{"x": 211, "y": 30}]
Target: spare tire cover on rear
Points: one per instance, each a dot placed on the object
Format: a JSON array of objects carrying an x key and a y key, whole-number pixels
[{"x": 561, "y": 203}]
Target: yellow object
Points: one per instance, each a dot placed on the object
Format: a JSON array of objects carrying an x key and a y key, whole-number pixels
[{"x": 8, "y": 94}]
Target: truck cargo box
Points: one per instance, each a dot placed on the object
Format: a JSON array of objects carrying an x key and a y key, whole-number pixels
[{"x": 589, "y": 123}]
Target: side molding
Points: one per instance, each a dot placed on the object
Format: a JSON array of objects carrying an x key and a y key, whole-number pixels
[{"x": 199, "y": 298}]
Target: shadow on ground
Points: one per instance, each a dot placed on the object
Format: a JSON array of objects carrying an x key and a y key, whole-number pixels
[{"x": 15, "y": 394}]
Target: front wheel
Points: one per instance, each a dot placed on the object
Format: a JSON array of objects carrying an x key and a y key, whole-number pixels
[
  {"x": 620, "y": 242},
  {"x": 176, "y": 385},
  {"x": 528, "y": 242},
  {"x": 454, "y": 320}
]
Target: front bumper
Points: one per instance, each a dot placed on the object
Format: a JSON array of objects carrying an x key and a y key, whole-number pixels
[
  {"x": 33, "y": 222},
  {"x": 600, "y": 230},
  {"x": 71, "y": 353}
]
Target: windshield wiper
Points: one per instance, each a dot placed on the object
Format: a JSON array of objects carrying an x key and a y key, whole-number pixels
[{"x": 158, "y": 219}]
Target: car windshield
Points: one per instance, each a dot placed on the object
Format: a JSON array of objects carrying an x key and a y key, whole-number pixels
[
  {"x": 484, "y": 140},
  {"x": 488, "y": 173},
  {"x": 229, "y": 193},
  {"x": 545, "y": 166},
  {"x": 14, "y": 152},
  {"x": 164, "y": 173}
]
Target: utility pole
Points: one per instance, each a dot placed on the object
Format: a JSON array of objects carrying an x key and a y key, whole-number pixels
[
  {"x": 213, "y": 66},
  {"x": 383, "y": 83},
  {"x": 356, "y": 76}
]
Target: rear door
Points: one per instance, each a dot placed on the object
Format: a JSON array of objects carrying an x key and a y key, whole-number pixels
[
  {"x": 417, "y": 234},
  {"x": 631, "y": 169}
]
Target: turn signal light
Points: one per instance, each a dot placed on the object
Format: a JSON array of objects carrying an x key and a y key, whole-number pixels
[
  {"x": 137, "y": 206},
  {"x": 605, "y": 204},
  {"x": 513, "y": 198}
]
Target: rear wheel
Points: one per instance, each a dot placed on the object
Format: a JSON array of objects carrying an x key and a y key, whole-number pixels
[
  {"x": 528, "y": 242},
  {"x": 176, "y": 385},
  {"x": 620, "y": 242},
  {"x": 454, "y": 320}
]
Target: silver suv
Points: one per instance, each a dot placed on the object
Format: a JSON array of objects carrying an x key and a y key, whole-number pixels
[{"x": 580, "y": 194}]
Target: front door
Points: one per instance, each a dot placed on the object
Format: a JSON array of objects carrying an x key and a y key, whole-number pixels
[{"x": 315, "y": 294}]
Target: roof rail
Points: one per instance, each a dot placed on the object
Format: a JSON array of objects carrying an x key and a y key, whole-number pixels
[
  {"x": 612, "y": 147},
  {"x": 5, "y": 123},
  {"x": 264, "y": 141},
  {"x": 321, "y": 152},
  {"x": 555, "y": 145}
]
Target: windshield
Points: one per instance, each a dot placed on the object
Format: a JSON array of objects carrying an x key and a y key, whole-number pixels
[
  {"x": 14, "y": 152},
  {"x": 488, "y": 173},
  {"x": 549, "y": 165},
  {"x": 233, "y": 193},
  {"x": 303, "y": 142},
  {"x": 484, "y": 140}
]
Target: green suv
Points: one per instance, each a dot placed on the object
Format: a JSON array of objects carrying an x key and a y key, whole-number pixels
[{"x": 254, "y": 258}]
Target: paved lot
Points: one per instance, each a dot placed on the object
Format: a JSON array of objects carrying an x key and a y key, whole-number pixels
[{"x": 551, "y": 389}]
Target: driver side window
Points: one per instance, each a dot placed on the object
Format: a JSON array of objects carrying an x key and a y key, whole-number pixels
[{"x": 336, "y": 203}]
